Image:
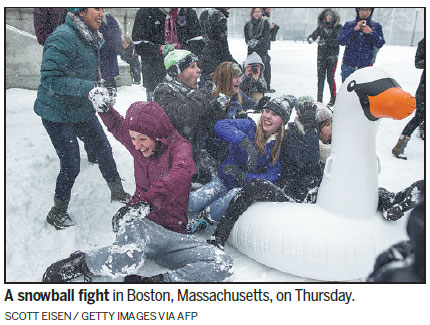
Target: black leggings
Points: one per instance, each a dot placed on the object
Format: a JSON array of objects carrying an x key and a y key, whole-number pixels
[{"x": 326, "y": 66}]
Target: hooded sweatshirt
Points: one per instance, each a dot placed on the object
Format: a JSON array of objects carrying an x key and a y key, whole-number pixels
[{"x": 164, "y": 179}]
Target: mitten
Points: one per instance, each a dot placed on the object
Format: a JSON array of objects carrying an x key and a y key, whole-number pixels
[
  {"x": 235, "y": 172},
  {"x": 252, "y": 154},
  {"x": 101, "y": 99},
  {"x": 308, "y": 116},
  {"x": 252, "y": 43}
]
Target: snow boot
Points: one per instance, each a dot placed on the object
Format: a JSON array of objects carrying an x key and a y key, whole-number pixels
[
  {"x": 67, "y": 269},
  {"x": 134, "y": 278},
  {"x": 331, "y": 102},
  {"x": 117, "y": 192},
  {"x": 399, "y": 149},
  {"x": 216, "y": 241},
  {"x": 58, "y": 216}
]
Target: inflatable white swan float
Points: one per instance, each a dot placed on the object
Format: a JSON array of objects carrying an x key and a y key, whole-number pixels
[{"x": 339, "y": 237}]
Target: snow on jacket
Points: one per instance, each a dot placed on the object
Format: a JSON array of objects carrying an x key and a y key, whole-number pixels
[
  {"x": 109, "y": 51},
  {"x": 233, "y": 132},
  {"x": 45, "y": 21},
  {"x": 359, "y": 47},
  {"x": 192, "y": 111},
  {"x": 258, "y": 32},
  {"x": 148, "y": 35},
  {"x": 68, "y": 72},
  {"x": 300, "y": 161},
  {"x": 164, "y": 179},
  {"x": 328, "y": 33},
  {"x": 214, "y": 28}
]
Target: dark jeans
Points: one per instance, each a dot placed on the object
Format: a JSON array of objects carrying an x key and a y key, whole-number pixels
[
  {"x": 267, "y": 70},
  {"x": 64, "y": 138},
  {"x": 326, "y": 66}
]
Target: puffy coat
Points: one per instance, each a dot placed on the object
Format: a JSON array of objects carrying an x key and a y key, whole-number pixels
[
  {"x": 249, "y": 85},
  {"x": 111, "y": 48},
  {"x": 214, "y": 28},
  {"x": 359, "y": 47},
  {"x": 68, "y": 72},
  {"x": 45, "y": 21},
  {"x": 420, "y": 56},
  {"x": 164, "y": 179},
  {"x": 233, "y": 132},
  {"x": 148, "y": 29},
  {"x": 301, "y": 162},
  {"x": 328, "y": 33},
  {"x": 192, "y": 111}
]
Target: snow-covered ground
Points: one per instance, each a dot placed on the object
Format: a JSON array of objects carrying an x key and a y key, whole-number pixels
[{"x": 31, "y": 168}]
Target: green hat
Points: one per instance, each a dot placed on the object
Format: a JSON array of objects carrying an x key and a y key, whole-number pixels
[
  {"x": 302, "y": 100},
  {"x": 177, "y": 61}
]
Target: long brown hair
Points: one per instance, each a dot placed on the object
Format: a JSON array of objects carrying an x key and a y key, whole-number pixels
[
  {"x": 222, "y": 77},
  {"x": 260, "y": 140}
]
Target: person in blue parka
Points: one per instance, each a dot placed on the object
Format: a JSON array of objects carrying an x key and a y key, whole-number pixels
[
  {"x": 69, "y": 71},
  {"x": 360, "y": 38}
]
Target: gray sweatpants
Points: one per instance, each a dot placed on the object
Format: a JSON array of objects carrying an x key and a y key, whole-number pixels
[{"x": 190, "y": 258}]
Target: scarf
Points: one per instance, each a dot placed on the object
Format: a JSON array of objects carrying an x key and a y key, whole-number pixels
[
  {"x": 324, "y": 151},
  {"x": 178, "y": 86},
  {"x": 94, "y": 37},
  {"x": 255, "y": 28},
  {"x": 170, "y": 33}
]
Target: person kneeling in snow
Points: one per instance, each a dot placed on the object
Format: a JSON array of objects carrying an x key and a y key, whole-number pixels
[{"x": 153, "y": 224}]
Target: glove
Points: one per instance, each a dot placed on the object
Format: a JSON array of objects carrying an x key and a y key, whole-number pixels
[
  {"x": 310, "y": 40},
  {"x": 222, "y": 101},
  {"x": 252, "y": 43},
  {"x": 165, "y": 49},
  {"x": 101, "y": 99},
  {"x": 129, "y": 213},
  {"x": 308, "y": 116},
  {"x": 235, "y": 172},
  {"x": 397, "y": 252},
  {"x": 262, "y": 103},
  {"x": 247, "y": 146},
  {"x": 209, "y": 85}
]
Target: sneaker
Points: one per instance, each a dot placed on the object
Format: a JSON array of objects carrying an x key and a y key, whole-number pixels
[
  {"x": 59, "y": 219},
  {"x": 331, "y": 102},
  {"x": 67, "y": 269},
  {"x": 197, "y": 224}
]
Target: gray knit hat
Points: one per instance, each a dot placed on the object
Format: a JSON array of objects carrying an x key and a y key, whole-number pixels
[
  {"x": 282, "y": 106},
  {"x": 323, "y": 112}
]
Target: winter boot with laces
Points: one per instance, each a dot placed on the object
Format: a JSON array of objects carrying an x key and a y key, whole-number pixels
[
  {"x": 58, "y": 216},
  {"x": 67, "y": 269},
  {"x": 117, "y": 192},
  {"x": 399, "y": 149},
  {"x": 144, "y": 279}
]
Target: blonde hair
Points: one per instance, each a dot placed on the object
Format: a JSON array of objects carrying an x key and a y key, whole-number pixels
[
  {"x": 222, "y": 77},
  {"x": 260, "y": 140}
]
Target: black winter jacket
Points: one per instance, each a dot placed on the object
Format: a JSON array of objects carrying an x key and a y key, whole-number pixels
[
  {"x": 148, "y": 29},
  {"x": 328, "y": 33}
]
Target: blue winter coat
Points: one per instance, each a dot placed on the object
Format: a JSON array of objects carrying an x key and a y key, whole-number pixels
[
  {"x": 234, "y": 131},
  {"x": 359, "y": 47},
  {"x": 67, "y": 74},
  {"x": 109, "y": 51},
  {"x": 235, "y": 107}
]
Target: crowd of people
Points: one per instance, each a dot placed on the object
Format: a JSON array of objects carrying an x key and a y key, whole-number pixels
[{"x": 195, "y": 128}]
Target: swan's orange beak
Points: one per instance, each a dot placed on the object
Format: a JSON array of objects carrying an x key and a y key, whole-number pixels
[{"x": 393, "y": 102}]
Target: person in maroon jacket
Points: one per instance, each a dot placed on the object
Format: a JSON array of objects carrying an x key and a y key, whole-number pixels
[
  {"x": 153, "y": 224},
  {"x": 45, "y": 22}
]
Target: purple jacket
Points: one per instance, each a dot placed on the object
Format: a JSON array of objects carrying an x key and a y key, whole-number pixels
[
  {"x": 111, "y": 48},
  {"x": 164, "y": 179},
  {"x": 45, "y": 22}
]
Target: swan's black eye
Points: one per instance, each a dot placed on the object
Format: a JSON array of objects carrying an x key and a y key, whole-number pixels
[{"x": 351, "y": 86}]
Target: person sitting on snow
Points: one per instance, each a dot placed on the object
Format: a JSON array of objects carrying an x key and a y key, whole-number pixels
[
  {"x": 192, "y": 110},
  {"x": 255, "y": 153},
  {"x": 153, "y": 224},
  {"x": 303, "y": 167},
  {"x": 253, "y": 83}
]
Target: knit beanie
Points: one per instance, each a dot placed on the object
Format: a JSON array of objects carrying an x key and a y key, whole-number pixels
[
  {"x": 177, "y": 61},
  {"x": 323, "y": 112},
  {"x": 75, "y": 10},
  {"x": 282, "y": 106},
  {"x": 301, "y": 101}
]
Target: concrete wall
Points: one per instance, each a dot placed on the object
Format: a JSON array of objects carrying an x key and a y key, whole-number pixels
[{"x": 24, "y": 54}]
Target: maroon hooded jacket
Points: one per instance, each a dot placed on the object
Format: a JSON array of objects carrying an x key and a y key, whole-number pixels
[{"x": 164, "y": 179}]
